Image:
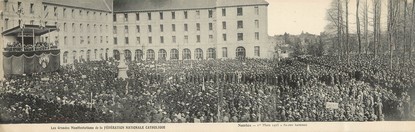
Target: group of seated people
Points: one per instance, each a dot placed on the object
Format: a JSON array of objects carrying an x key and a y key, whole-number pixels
[
  {"x": 250, "y": 90},
  {"x": 17, "y": 46}
]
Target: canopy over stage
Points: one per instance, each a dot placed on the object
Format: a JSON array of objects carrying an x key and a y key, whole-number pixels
[
  {"x": 25, "y": 54},
  {"x": 29, "y": 30}
]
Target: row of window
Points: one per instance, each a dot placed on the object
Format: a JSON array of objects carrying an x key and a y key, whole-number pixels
[
  {"x": 74, "y": 14},
  {"x": 89, "y": 40},
  {"x": 185, "y": 14},
  {"x": 88, "y": 55},
  {"x": 186, "y": 54},
  {"x": 240, "y": 37},
  {"x": 240, "y": 25}
]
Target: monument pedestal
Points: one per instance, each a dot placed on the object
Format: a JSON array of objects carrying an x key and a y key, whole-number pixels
[{"x": 122, "y": 68}]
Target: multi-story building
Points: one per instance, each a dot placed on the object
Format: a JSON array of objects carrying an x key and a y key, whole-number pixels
[
  {"x": 191, "y": 29},
  {"x": 145, "y": 29},
  {"x": 85, "y": 26}
]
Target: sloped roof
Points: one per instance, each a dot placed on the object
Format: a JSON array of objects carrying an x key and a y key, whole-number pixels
[
  {"x": 102, "y": 5},
  {"x": 153, "y": 5}
]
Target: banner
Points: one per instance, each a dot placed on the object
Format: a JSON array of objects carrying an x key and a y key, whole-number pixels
[
  {"x": 31, "y": 64},
  {"x": 332, "y": 105}
]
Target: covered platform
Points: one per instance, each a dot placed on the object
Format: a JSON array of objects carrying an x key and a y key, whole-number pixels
[{"x": 25, "y": 53}]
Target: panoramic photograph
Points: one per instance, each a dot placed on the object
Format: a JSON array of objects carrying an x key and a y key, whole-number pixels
[{"x": 206, "y": 61}]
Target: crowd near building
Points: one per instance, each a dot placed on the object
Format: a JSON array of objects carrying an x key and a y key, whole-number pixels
[
  {"x": 201, "y": 29},
  {"x": 146, "y": 30}
]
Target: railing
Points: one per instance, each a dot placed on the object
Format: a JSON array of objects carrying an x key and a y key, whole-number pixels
[{"x": 20, "y": 49}]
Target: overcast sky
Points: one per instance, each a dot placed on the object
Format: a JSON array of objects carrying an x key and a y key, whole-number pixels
[{"x": 295, "y": 16}]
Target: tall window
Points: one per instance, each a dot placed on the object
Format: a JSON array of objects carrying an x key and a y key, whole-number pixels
[
  {"x": 197, "y": 38},
  {"x": 211, "y": 53},
  {"x": 210, "y": 38},
  {"x": 115, "y": 40},
  {"x": 74, "y": 40},
  {"x": 224, "y": 52},
  {"x": 149, "y": 28},
  {"x": 210, "y": 14},
  {"x": 161, "y": 28},
  {"x": 257, "y": 51},
  {"x": 224, "y": 37},
  {"x": 161, "y": 16},
  {"x": 174, "y": 54},
  {"x": 137, "y": 16},
  {"x": 223, "y": 12},
  {"x": 185, "y": 14},
  {"x": 173, "y": 15},
  {"x": 114, "y": 17},
  {"x": 197, "y": 14},
  {"x": 88, "y": 40},
  {"x": 125, "y": 29},
  {"x": 199, "y": 54},
  {"x": 186, "y": 28},
  {"x": 138, "y": 55},
  {"x": 150, "y": 40},
  {"x": 115, "y": 29},
  {"x": 256, "y": 23},
  {"x": 210, "y": 26},
  {"x": 223, "y": 25},
  {"x": 126, "y": 40},
  {"x": 198, "y": 26},
  {"x": 187, "y": 54},
  {"x": 162, "y": 54},
  {"x": 240, "y": 24},
  {"x": 125, "y": 17},
  {"x": 186, "y": 39},
  {"x": 173, "y": 27},
  {"x": 65, "y": 40},
  {"x": 239, "y": 11},
  {"x": 256, "y": 10},
  {"x": 32, "y": 10},
  {"x": 256, "y": 35},
  {"x": 138, "y": 28},
  {"x": 149, "y": 15},
  {"x": 150, "y": 54},
  {"x": 162, "y": 39},
  {"x": 173, "y": 38},
  {"x": 138, "y": 40},
  {"x": 64, "y": 27},
  {"x": 240, "y": 36}
]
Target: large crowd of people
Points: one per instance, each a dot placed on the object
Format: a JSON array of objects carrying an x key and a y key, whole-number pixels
[{"x": 249, "y": 90}]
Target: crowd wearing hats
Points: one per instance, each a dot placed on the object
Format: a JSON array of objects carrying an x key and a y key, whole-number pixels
[
  {"x": 38, "y": 46},
  {"x": 208, "y": 91}
]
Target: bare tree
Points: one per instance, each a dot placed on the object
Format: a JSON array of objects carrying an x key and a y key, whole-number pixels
[
  {"x": 347, "y": 31},
  {"x": 366, "y": 25},
  {"x": 358, "y": 27}
]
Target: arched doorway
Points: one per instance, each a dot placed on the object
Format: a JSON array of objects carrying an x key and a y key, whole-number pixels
[
  {"x": 106, "y": 54},
  {"x": 240, "y": 53},
  {"x": 150, "y": 55},
  {"x": 65, "y": 57},
  {"x": 138, "y": 55},
  {"x": 162, "y": 55},
  {"x": 127, "y": 55},
  {"x": 116, "y": 55},
  {"x": 81, "y": 56},
  {"x": 74, "y": 56},
  {"x": 88, "y": 55},
  {"x": 174, "y": 54},
  {"x": 101, "y": 54},
  {"x": 211, "y": 54},
  {"x": 187, "y": 54},
  {"x": 199, "y": 54}
]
